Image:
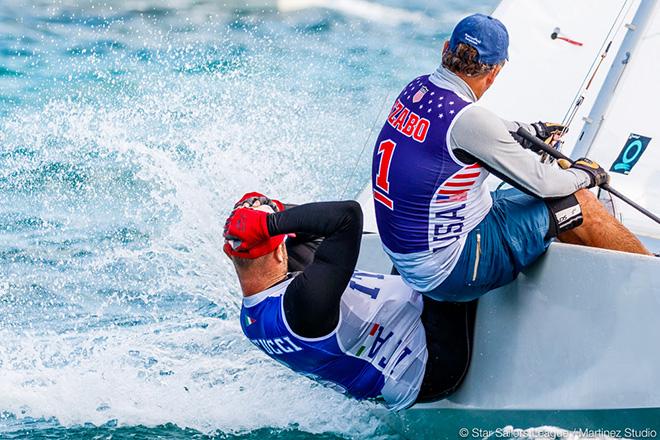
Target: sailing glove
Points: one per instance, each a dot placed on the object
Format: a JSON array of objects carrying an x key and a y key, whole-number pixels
[
  {"x": 246, "y": 230},
  {"x": 597, "y": 174},
  {"x": 546, "y": 130},
  {"x": 247, "y": 225}
]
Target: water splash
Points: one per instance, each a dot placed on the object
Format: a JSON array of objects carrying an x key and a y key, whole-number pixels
[
  {"x": 125, "y": 135},
  {"x": 197, "y": 373}
]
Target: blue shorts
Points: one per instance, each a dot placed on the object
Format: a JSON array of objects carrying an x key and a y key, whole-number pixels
[{"x": 510, "y": 238}]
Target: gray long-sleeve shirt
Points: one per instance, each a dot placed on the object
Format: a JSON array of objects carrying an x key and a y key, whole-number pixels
[{"x": 482, "y": 134}]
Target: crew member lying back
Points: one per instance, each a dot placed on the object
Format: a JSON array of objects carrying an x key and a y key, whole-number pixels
[{"x": 365, "y": 334}]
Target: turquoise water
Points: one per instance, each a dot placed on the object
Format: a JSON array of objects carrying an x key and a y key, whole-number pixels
[{"x": 126, "y": 131}]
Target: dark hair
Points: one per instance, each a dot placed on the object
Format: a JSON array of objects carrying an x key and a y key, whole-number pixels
[{"x": 464, "y": 60}]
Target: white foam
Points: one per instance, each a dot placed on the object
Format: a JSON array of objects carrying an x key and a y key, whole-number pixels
[
  {"x": 198, "y": 373},
  {"x": 386, "y": 15}
]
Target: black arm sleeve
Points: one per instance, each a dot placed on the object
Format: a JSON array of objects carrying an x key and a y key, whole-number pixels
[
  {"x": 311, "y": 302},
  {"x": 301, "y": 248}
]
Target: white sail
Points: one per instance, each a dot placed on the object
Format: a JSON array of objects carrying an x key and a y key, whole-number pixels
[
  {"x": 544, "y": 75},
  {"x": 633, "y": 109}
]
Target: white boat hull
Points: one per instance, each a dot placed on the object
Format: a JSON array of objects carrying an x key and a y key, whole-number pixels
[{"x": 577, "y": 331}]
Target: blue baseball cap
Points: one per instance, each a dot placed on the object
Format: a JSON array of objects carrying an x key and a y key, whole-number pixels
[{"x": 486, "y": 34}]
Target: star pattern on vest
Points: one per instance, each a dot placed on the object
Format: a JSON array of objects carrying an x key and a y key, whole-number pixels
[{"x": 433, "y": 105}]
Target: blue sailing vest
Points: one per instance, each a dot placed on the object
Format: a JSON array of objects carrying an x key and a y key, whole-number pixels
[
  {"x": 378, "y": 349},
  {"x": 426, "y": 200}
]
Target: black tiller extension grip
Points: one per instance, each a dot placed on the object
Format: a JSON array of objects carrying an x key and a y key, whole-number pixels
[{"x": 558, "y": 155}]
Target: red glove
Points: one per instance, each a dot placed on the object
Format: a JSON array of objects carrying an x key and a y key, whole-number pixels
[
  {"x": 248, "y": 226},
  {"x": 246, "y": 229}
]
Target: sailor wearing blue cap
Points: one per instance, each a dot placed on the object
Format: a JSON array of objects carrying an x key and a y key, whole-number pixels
[
  {"x": 448, "y": 236},
  {"x": 485, "y": 34}
]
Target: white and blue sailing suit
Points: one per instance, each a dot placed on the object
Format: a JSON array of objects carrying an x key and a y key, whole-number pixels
[
  {"x": 446, "y": 234},
  {"x": 378, "y": 349}
]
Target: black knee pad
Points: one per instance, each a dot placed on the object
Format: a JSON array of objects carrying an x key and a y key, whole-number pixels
[{"x": 565, "y": 214}]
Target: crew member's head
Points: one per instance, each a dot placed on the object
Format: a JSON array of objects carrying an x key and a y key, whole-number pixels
[
  {"x": 477, "y": 51},
  {"x": 263, "y": 265}
]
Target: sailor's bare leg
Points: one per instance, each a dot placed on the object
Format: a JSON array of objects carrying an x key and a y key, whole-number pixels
[{"x": 600, "y": 229}]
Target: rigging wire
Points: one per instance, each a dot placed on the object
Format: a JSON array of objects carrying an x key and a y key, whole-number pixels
[
  {"x": 364, "y": 145},
  {"x": 579, "y": 98}
]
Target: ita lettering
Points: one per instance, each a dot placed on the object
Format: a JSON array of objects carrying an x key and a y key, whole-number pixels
[
  {"x": 371, "y": 291},
  {"x": 380, "y": 342}
]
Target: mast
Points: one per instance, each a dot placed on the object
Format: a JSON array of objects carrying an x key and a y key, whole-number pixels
[{"x": 594, "y": 121}]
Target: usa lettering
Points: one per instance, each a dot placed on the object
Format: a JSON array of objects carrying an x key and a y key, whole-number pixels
[
  {"x": 448, "y": 225},
  {"x": 408, "y": 123},
  {"x": 276, "y": 346}
]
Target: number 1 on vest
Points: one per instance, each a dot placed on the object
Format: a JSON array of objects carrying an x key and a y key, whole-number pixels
[{"x": 385, "y": 151}]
